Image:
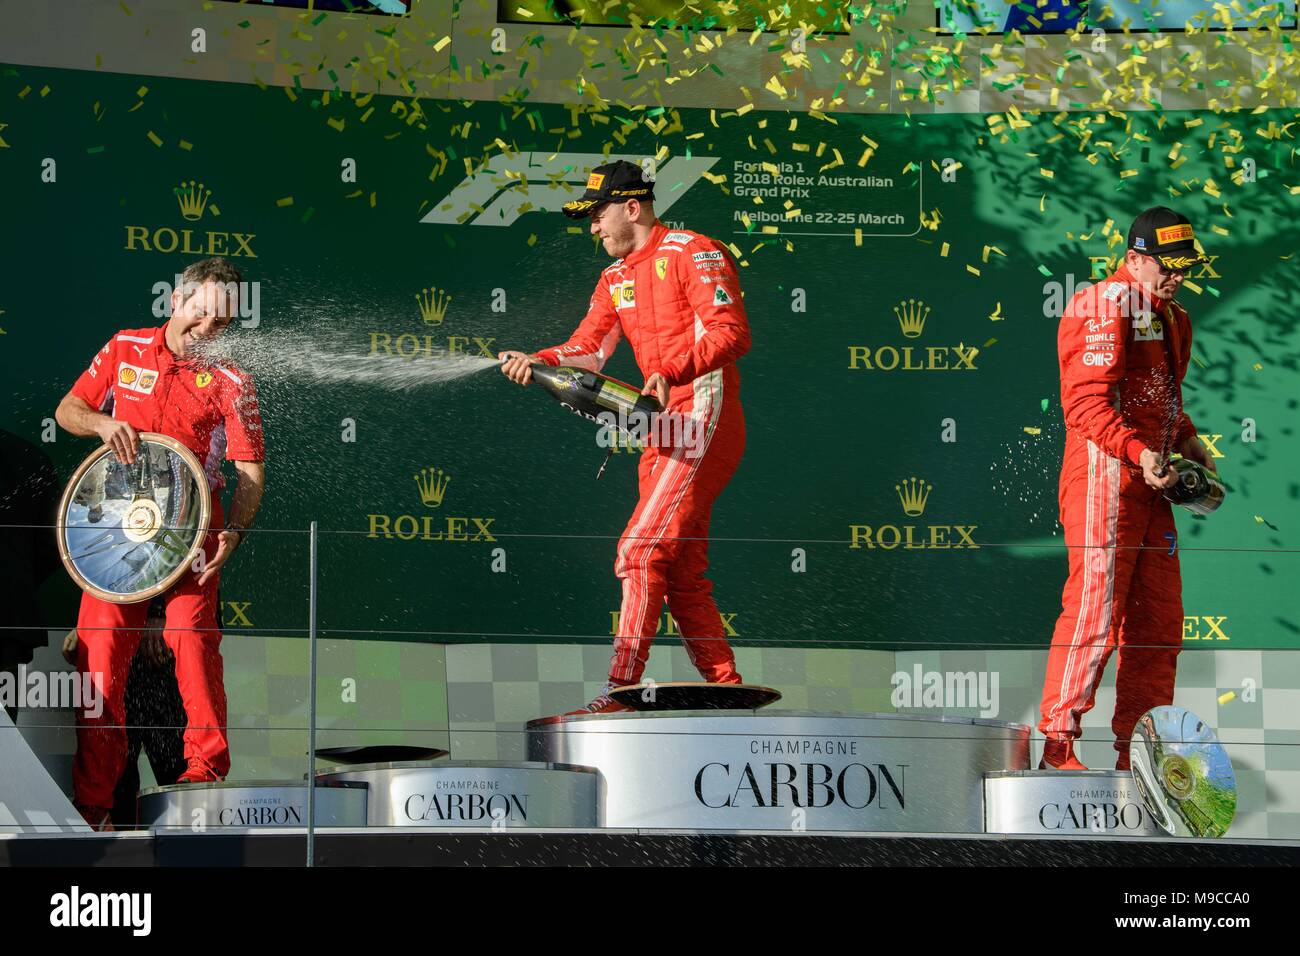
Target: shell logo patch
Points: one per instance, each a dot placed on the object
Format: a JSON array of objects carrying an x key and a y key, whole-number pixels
[{"x": 133, "y": 378}]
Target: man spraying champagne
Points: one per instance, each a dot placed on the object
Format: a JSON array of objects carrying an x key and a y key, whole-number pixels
[
  {"x": 1123, "y": 347},
  {"x": 675, "y": 295}
]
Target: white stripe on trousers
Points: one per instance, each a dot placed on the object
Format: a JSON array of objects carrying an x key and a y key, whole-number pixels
[
  {"x": 656, "y": 517},
  {"x": 1092, "y": 628}
]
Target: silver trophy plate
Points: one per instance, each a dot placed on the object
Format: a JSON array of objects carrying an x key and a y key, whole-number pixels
[
  {"x": 1183, "y": 773},
  {"x": 129, "y": 532}
]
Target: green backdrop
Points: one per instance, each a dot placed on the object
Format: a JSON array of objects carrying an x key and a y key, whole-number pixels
[{"x": 828, "y": 438}]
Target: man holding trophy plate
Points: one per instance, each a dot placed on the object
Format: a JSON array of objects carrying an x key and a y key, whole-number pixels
[{"x": 167, "y": 418}]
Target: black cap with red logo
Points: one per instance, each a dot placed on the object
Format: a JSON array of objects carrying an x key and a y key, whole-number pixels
[
  {"x": 613, "y": 182},
  {"x": 1167, "y": 236}
]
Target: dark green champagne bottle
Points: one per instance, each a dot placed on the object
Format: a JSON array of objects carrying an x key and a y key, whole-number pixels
[{"x": 599, "y": 398}]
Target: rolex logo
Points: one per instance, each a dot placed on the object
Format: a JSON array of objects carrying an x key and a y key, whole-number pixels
[
  {"x": 193, "y": 198},
  {"x": 912, "y": 314},
  {"x": 432, "y": 483},
  {"x": 433, "y": 305},
  {"x": 914, "y": 493}
]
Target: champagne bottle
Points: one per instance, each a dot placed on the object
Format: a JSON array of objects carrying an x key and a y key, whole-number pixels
[
  {"x": 599, "y": 398},
  {"x": 1198, "y": 489}
]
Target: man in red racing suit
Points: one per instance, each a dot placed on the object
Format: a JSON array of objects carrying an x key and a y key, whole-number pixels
[
  {"x": 151, "y": 380},
  {"x": 1123, "y": 348},
  {"x": 675, "y": 296}
]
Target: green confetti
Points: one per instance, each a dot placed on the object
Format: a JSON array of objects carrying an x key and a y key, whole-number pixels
[
  {"x": 1045, "y": 271},
  {"x": 1042, "y": 404}
]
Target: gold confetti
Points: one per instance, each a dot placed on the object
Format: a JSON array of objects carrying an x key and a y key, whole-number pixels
[
  {"x": 1031, "y": 430},
  {"x": 997, "y": 315},
  {"x": 153, "y": 138},
  {"x": 943, "y": 251},
  {"x": 1224, "y": 698},
  {"x": 286, "y": 201}
]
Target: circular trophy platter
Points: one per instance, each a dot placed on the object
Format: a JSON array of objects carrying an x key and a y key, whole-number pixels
[
  {"x": 1183, "y": 773},
  {"x": 127, "y": 533}
]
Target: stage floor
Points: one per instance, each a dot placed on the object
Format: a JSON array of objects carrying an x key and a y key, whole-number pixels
[{"x": 405, "y": 846}]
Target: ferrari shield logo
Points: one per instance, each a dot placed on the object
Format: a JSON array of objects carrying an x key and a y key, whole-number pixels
[
  {"x": 661, "y": 267},
  {"x": 202, "y": 379}
]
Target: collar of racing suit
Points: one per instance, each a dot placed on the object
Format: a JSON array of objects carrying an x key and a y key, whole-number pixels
[
  {"x": 1123, "y": 275},
  {"x": 651, "y": 244}
]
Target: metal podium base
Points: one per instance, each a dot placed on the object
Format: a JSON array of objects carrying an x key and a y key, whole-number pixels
[
  {"x": 1060, "y": 802},
  {"x": 694, "y": 695},
  {"x": 449, "y": 793},
  {"x": 271, "y": 803},
  {"x": 376, "y": 753},
  {"x": 785, "y": 770}
]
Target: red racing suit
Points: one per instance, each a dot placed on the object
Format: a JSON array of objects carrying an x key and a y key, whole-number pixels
[
  {"x": 677, "y": 301},
  {"x": 213, "y": 411},
  {"x": 1123, "y": 357}
]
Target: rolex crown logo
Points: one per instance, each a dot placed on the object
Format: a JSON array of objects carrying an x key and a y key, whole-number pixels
[
  {"x": 913, "y": 493},
  {"x": 432, "y": 483},
  {"x": 911, "y": 314},
  {"x": 433, "y": 305},
  {"x": 193, "y": 198}
]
